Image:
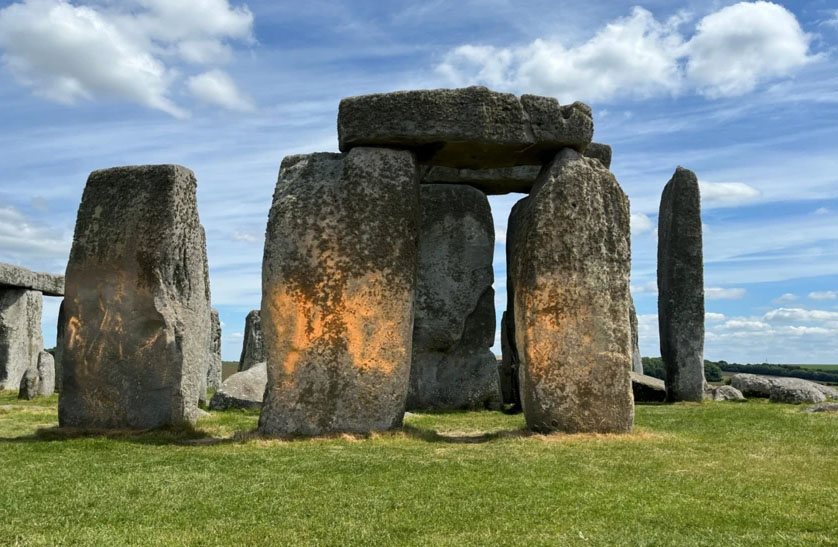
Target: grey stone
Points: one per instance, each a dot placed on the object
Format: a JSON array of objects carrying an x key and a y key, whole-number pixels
[
  {"x": 253, "y": 348},
  {"x": 823, "y": 407},
  {"x": 752, "y": 385},
  {"x": 46, "y": 374},
  {"x": 723, "y": 393},
  {"x": 136, "y": 305},
  {"x": 20, "y": 334},
  {"x": 242, "y": 389},
  {"x": 453, "y": 366},
  {"x": 681, "y": 287},
  {"x": 465, "y": 128},
  {"x": 214, "y": 358},
  {"x": 601, "y": 152},
  {"x": 510, "y": 361},
  {"x": 59, "y": 345},
  {"x": 647, "y": 389},
  {"x": 828, "y": 391},
  {"x": 21, "y": 278},
  {"x": 29, "y": 385},
  {"x": 636, "y": 359},
  {"x": 338, "y": 284},
  {"x": 793, "y": 390},
  {"x": 571, "y": 287}
]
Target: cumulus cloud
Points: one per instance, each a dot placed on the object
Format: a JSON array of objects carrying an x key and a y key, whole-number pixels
[
  {"x": 711, "y": 317},
  {"x": 731, "y": 52},
  {"x": 785, "y": 299},
  {"x": 800, "y": 315},
  {"x": 132, "y": 51},
  {"x": 640, "y": 224},
  {"x": 823, "y": 295},
  {"x": 727, "y": 193},
  {"x": 31, "y": 244},
  {"x": 216, "y": 87},
  {"x": 717, "y": 293}
]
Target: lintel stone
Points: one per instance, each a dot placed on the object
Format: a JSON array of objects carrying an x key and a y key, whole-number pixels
[{"x": 15, "y": 276}]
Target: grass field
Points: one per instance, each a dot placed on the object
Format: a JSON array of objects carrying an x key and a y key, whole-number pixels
[
  {"x": 750, "y": 473},
  {"x": 827, "y": 368}
]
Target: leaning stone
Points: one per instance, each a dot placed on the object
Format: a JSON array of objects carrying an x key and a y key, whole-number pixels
[
  {"x": 338, "y": 285},
  {"x": 242, "y": 389},
  {"x": 21, "y": 278},
  {"x": 20, "y": 334},
  {"x": 29, "y": 385},
  {"x": 571, "y": 270},
  {"x": 453, "y": 366},
  {"x": 647, "y": 389},
  {"x": 636, "y": 359},
  {"x": 136, "y": 305},
  {"x": 253, "y": 348},
  {"x": 795, "y": 391},
  {"x": 823, "y": 407},
  {"x": 46, "y": 374},
  {"x": 601, "y": 152},
  {"x": 681, "y": 287},
  {"x": 723, "y": 393},
  {"x": 465, "y": 128},
  {"x": 214, "y": 358}
]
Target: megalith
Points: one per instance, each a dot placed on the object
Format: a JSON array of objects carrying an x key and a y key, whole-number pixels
[
  {"x": 453, "y": 366},
  {"x": 681, "y": 287},
  {"x": 571, "y": 265},
  {"x": 136, "y": 304},
  {"x": 46, "y": 373},
  {"x": 338, "y": 284},
  {"x": 510, "y": 390},
  {"x": 20, "y": 333},
  {"x": 636, "y": 359},
  {"x": 253, "y": 348},
  {"x": 214, "y": 357}
]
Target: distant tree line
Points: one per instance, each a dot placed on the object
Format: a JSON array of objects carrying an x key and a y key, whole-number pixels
[{"x": 653, "y": 366}]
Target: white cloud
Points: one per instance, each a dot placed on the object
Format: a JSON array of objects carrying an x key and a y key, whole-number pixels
[
  {"x": 823, "y": 295},
  {"x": 821, "y": 211},
  {"x": 716, "y": 293},
  {"x": 744, "y": 324},
  {"x": 732, "y": 51},
  {"x": 648, "y": 288},
  {"x": 800, "y": 315},
  {"x": 31, "y": 244},
  {"x": 786, "y": 298},
  {"x": 69, "y": 53},
  {"x": 241, "y": 235},
  {"x": 218, "y": 88},
  {"x": 711, "y": 317},
  {"x": 833, "y": 22},
  {"x": 640, "y": 224},
  {"x": 727, "y": 193}
]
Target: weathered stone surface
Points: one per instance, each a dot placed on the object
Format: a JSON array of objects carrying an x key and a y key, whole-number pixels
[
  {"x": 214, "y": 358},
  {"x": 828, "y": 391},
  {"x": 20, "y": 334},
  {"x": 793, "y": 390},
  {"x": 21, "y": 278},
  {"x": 465, "y": 128},
  {"x": 571, "y": 287},
  {"x": 338, "y": 284},
  {"x": 136, "y": 305},
  {"x": 242, "y": 390},
  {"x": 823, "y": 407},
  {"x": 59, "y": 345},
  {"x": 29, "y": 385},
  {"x": 636, "y": 359},
  {"x": 723, "y": 393},
  {"x": 752, "y": 385},
  {"x": 510, "y": 361},
  {"x": 253, "y": 348},
  {"x": 454, "y": 322},
  {"x": 601, "y": 152},
  {"x": 647, "y": 389},
  {"x": 681, "y": 287},
  {"x": 46, "y": 374}
]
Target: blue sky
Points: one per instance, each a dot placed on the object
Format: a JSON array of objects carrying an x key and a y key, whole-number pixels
[{"x": 745, "y": 94}]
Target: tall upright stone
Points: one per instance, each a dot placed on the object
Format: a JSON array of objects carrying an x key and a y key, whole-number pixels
[
  {"x": 681, "y": 287},
  {"x": 453, "y": 366},
  {"x": 338, "y": 284},
  {"x": 136, "y": 306},
  {"x": 571, "y": 268},
  {"x": 214, "y": 357},
  {"x": 253, "y": 348},
  {"x": 21, "y": 340},
  {"x": 510, "y": 389},
  {"x": 60, "y": 332},
  {"x": 636, "y": 359}
]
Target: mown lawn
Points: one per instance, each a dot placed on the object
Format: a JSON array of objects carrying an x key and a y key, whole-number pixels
[{"x": 695, "y": 474}]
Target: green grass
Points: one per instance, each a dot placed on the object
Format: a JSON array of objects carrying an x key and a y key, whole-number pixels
[
  {"x": 825, "y": 368},
  {"x": 750, "y": 473}
]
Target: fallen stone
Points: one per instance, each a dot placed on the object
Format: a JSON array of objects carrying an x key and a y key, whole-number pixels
[
  {"x": 21, "y": 278},
  {"x": 20, "y": 334},
  {"x": 828, "y": 391},
  {"x": 647, "y": 389},
  {"x": 636, "y": 359},
  {"x": 794, "y": 391},
  {"x": 136, "y": 305},
  {"x": 253, "y": 348},
  {"x": 681, "y": 287},
  {"x": 242, "y": 389},
  {"x": 29, "y": 385},
  {"x": 823, "y": 407},
  {"x": 339, "y": 278},
  {"x": 753, "y": 385},
  {"x": 46, "y": 374},
  {"x": 723, "y": 393},
  {"x": 471, "y": 127},
  {"x": 571, "y": 271},
  {"x": 214, "y": 358},
  {"x": 453, "y": 366}
]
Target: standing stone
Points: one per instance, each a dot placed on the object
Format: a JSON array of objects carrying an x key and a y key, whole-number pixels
[
  {"x": 214, "y": 364},
  {"x": 571, "y": 268},
  {"x": 453, "y": 366},
  {"x": 20, "y": 333},
  {"x": 29, "y": 385},
  {"x": 46, "y": 374},
  {"x": 636, "y": 359},
  {"x": 681, "y": 287},
  {"x": 253, "y": 348},
  {"x": 136, "y": 305},
  {"x": 59, "y": 345},
  {"x": 338, "y": 284},
  {"x": 510, "y": 390}
]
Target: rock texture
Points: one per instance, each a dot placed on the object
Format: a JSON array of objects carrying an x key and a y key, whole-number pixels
[
  {"x": 465, "y": 128},
  {"x": 21, "y": 278},
  {"x": 795, "y": 391},
  {"x": 636, "y": 359},
  {"x": 136, "y": 305},
  {"x": 571, "y": 287},
  {"x": 46, "y": 374},
  {"x": 253, "y": 348},
  {"x": 242, "y": 389},
  {"x": 59, "y": 345},
  {"x": 510, "y": 361},
  {"x": 647, "y": 389},
  {"x": 752, "y": 385},
  {"x": 29, "y": 385},
  {"x": 214, "y": 358},
  {"x": 454, "y": 323},
  {"x": 681, "y": 287},
  {"x": 601, "y": 152},
  {"x": 338, "y": 284},
  {"x": 20, "y": 334},
  {"x": 723, "y": 393},
  {"x": 823, "y": 407}
]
